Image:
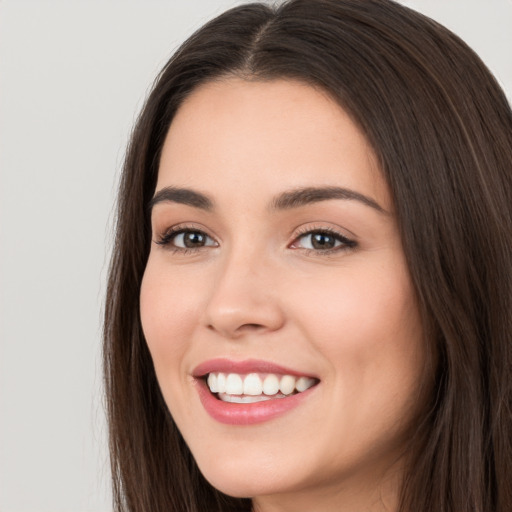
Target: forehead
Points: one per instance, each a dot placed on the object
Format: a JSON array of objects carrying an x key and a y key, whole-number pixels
[{"x": 266, "y": 136}]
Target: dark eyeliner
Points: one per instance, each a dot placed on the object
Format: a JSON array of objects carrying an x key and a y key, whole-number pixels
[
  {"x": 346, "y": 243},
  {"x": 165, "y": 239}
]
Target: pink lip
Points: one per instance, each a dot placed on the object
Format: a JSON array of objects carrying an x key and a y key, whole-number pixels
[
  {"x": 243, "y": 367},
  {"x": 245, "y": 414}
]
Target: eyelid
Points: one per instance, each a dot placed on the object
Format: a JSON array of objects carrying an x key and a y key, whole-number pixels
[
  {"x": 166, "y": 236},
  {"x": 346, "y": 243}
]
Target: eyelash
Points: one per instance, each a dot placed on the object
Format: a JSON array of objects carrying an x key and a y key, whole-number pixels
[
  {"x": 168, "y": 236},
  {"x": 346, "y": 243}
]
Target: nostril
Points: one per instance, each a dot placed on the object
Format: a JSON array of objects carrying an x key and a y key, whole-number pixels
[
  {"x": 238, "y": 330},
  {"x": 245, "y": 328}
]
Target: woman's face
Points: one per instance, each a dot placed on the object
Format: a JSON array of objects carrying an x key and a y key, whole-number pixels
[{"x": 276, "y": 264}]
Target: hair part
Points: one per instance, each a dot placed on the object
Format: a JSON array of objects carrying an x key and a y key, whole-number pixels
[{"x": 442, "y": 131}]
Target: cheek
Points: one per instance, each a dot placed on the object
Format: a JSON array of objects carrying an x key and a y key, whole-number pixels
[
  {"x": 356, "y": 303},
  {"x": 366, "y": 323},
  {"x": 368, "y": 329},
  {"x": 168, "y": 314}
]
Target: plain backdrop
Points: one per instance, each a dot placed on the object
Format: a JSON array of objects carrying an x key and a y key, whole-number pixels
[{"x": 73, "y": 76}]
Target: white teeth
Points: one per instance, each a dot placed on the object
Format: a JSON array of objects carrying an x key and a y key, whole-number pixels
[
  {"x": 234, "y": 384},
  {"x": 237, "y": 399},
  {"x": 212, "y": 383},
  {"x": 271, "y": 385},
  {"x": 254, "y": 385},
  {"x": 287, "y": 384},
  {"x": 221, "y": 383},
  {"x": 304, "y": 383}
]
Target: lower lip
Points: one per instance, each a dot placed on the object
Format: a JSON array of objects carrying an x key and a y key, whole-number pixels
[{"x": 247, "y": 414}]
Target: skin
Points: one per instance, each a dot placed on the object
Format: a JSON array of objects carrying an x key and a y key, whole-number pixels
[{"x": 258, "y": 290}]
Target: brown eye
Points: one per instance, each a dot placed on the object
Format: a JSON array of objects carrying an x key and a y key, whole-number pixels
[
  {"x": 323, "y": 241},
  {"x": 183, "y": 239},
  {"x": 191, "y": 239}
]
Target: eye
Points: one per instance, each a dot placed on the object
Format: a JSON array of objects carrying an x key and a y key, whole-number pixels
[
  {"x": 322, "y": 240},
  {"x": 184, "y": 239},
  {"x": 191, "y": 239}
]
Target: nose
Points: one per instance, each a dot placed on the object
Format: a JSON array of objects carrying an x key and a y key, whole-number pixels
[{"x": 244, "y": 299}]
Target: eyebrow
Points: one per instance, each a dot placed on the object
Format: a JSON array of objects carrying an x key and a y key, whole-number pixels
[
  {"x": 285, "y": 201},
  {"x": 304, "y": 196},
  {"x": 182, "y": 196}
]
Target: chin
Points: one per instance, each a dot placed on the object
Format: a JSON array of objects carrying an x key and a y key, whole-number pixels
[{"x": 240, "y": 479}]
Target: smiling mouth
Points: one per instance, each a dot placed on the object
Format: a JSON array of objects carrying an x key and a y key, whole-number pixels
[{"x": 256, "y": 387}]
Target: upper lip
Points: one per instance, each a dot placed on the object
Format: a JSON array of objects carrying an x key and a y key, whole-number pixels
[{"x": 244, "y": 367}]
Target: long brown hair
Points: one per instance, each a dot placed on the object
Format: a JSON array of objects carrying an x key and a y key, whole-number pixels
[{"x": 442, "y": 130}]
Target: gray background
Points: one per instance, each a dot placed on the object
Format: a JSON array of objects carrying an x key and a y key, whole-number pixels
[{"x": 73, "y": 75}]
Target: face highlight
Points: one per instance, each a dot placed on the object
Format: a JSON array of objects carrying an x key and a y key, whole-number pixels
[{"x": 276, "y": 301}]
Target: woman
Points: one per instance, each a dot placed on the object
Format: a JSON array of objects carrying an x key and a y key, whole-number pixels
[{"x": 310, "y": 294}]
